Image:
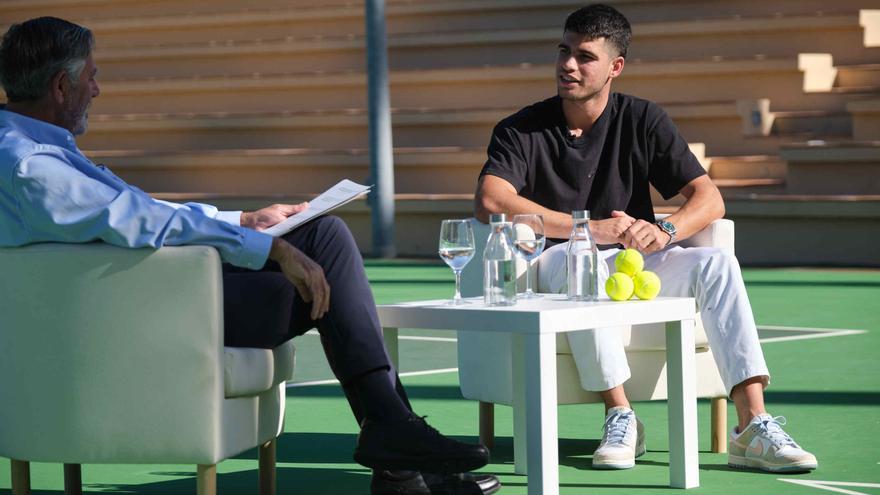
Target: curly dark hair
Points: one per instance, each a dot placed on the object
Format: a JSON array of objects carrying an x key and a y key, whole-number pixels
[{"x": 601, "y": 21}]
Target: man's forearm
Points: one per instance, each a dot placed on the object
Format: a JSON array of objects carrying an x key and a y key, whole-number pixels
[
  {"x": 280, "y": 250},
  {"x": 703, "y": 206},
  {"x": 495, "y": 197}
]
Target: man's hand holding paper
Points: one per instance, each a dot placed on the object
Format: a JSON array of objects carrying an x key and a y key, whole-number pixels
[
  {"x": 338, "y": 195},
  {"x": 271, "y": 215}
]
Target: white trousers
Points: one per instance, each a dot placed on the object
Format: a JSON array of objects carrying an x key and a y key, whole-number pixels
[{"x": 710, "y": 275}]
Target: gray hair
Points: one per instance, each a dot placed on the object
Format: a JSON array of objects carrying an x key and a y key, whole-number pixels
[{"x": 33, "y": 52}]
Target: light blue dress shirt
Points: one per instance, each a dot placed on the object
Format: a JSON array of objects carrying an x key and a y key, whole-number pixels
[{"x": 50, "y": 192}]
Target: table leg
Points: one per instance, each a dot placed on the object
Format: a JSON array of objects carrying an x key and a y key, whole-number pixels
[
  {"x": 517, "y": 358},
  {"x": 681, "y": 383},
  {"x": 536, "y": 444},
  {"x": 391, "y": 344}
]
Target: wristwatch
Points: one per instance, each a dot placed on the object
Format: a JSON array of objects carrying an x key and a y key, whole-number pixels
[{"x": 668, "y": 228}]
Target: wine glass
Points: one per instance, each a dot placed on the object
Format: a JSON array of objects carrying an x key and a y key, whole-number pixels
[
  {"x": 528, "y": 239},
  {"x": 456, "y": 249}
]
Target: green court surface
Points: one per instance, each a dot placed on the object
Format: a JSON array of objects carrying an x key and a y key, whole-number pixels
[{"x": 826, "y": 383}]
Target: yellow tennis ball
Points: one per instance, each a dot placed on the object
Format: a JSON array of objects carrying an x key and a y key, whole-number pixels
[
  {"x": 619, "y": 286},
  {"x": 630, "y": 262},
  {"x": 647, "y": 285}
]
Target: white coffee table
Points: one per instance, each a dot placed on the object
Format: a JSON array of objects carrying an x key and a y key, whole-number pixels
[{"x": 533, "y": 325}]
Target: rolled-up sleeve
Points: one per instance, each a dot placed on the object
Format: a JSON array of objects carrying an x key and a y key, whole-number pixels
[{"x": 60, "y": 203}]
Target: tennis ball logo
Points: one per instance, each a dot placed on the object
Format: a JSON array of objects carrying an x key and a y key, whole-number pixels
[{"x": 631, "y": 278}]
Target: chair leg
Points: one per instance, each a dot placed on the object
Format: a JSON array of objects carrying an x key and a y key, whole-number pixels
[
  {"x": 487, "y": 424},
  {"x": 21, "y": 477},
  {"x": 267, "y": 467},
  {"x": 72, "y": 479},
  {"x": 719, "y": 425},
  {"x": 206, "y": 479}
]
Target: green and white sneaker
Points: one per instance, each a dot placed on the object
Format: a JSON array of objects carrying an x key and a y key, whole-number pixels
[
  {"x": 764, "y": 445},
  {"x": 623, "y": 439}
]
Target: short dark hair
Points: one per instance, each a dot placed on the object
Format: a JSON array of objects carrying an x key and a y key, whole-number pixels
[
  {"x": 601, "y": 21},
  {"x": 33, "y": 52}
]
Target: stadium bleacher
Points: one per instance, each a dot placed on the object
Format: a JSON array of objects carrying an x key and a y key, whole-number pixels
[{"x": 236, "y": 105}]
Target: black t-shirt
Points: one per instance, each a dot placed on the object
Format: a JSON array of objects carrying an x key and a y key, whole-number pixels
[{"x": 633, "y": 144}]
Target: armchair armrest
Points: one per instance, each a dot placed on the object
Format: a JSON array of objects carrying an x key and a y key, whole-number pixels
[{"x": 719, "y": 233}]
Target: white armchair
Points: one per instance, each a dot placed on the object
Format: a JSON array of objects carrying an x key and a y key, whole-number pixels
[
  {"x": 114, "y": 355},
  {"x": 484, "y": 357}
]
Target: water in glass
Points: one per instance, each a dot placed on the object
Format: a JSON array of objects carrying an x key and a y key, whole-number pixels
[{"x": 456, "y": 248}]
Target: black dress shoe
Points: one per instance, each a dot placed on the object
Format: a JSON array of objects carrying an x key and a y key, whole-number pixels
[
  {"x": 414, "y": 483},
  {"x": 398, "y": 483},
  {"x": 461, "y": 483},
  {"x": 414, "y": 445}
]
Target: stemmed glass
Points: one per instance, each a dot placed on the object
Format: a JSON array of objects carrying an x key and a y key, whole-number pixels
[
  {"x": 528, "y": 239},
  {"x": 456, "y": 249}
]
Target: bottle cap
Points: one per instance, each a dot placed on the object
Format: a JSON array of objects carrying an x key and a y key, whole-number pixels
[
  {"x": 497, "y": 218},
  {"x": 580, "y": 215}
]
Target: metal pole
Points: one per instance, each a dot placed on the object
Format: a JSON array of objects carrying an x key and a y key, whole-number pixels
[{"x": 381, "y": 156}]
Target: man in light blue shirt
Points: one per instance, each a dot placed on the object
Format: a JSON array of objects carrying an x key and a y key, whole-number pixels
[
  {"x": 274, "y": 288},
  {"x": 51, "y": 192}
]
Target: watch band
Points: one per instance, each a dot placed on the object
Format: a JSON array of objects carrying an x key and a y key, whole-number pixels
[{"x": 669, "y": 228}]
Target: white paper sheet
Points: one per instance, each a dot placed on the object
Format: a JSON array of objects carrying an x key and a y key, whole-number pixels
[{"x": 332, "y": 198}]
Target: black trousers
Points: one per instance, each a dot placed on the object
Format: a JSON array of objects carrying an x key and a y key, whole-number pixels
[{"x": 263, "y": 309}]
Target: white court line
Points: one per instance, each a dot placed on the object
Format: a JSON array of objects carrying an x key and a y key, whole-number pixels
[
  {"x": 402, "y": 375},
  {"x": 830, "y": 485},
  {"x": 406, "y": 337},
  {"x": 429, "y": 339},
  {"x": 818, "y": 333},
  {"x": 430, "y": 372},
  {"x": 808, "y": 329}
]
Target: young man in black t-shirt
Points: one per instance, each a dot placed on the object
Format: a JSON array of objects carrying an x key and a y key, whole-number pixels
[{"x": 590, "y": 149}]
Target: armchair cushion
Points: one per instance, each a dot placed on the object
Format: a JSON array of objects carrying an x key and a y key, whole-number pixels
[{"x": 248, "y": 371}]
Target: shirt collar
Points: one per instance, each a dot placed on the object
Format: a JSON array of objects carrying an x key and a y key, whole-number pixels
[
  {"x": 595, "y": 130},
  {"x": 38, "y": 130}
]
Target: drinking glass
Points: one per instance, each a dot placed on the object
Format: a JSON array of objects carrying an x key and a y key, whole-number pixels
[
  {"x": 528, "y": 239},
  {"x": 456, "y": 249}
]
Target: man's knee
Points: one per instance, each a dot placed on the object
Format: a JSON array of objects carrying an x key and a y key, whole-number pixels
[
  {"x": 713, "y": 266},
  {"x": 332, "y": 234},
  {"x": 331, "y": 224},
  {"x": 322, "y": 230},
  {"x": 714, "y": 258},
  {"x": 551, "y": 270}
]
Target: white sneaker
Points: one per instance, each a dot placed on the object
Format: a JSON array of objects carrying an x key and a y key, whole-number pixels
[
  {"x": 764, "y": 445},
  {"x": 623, "y": 439}
]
